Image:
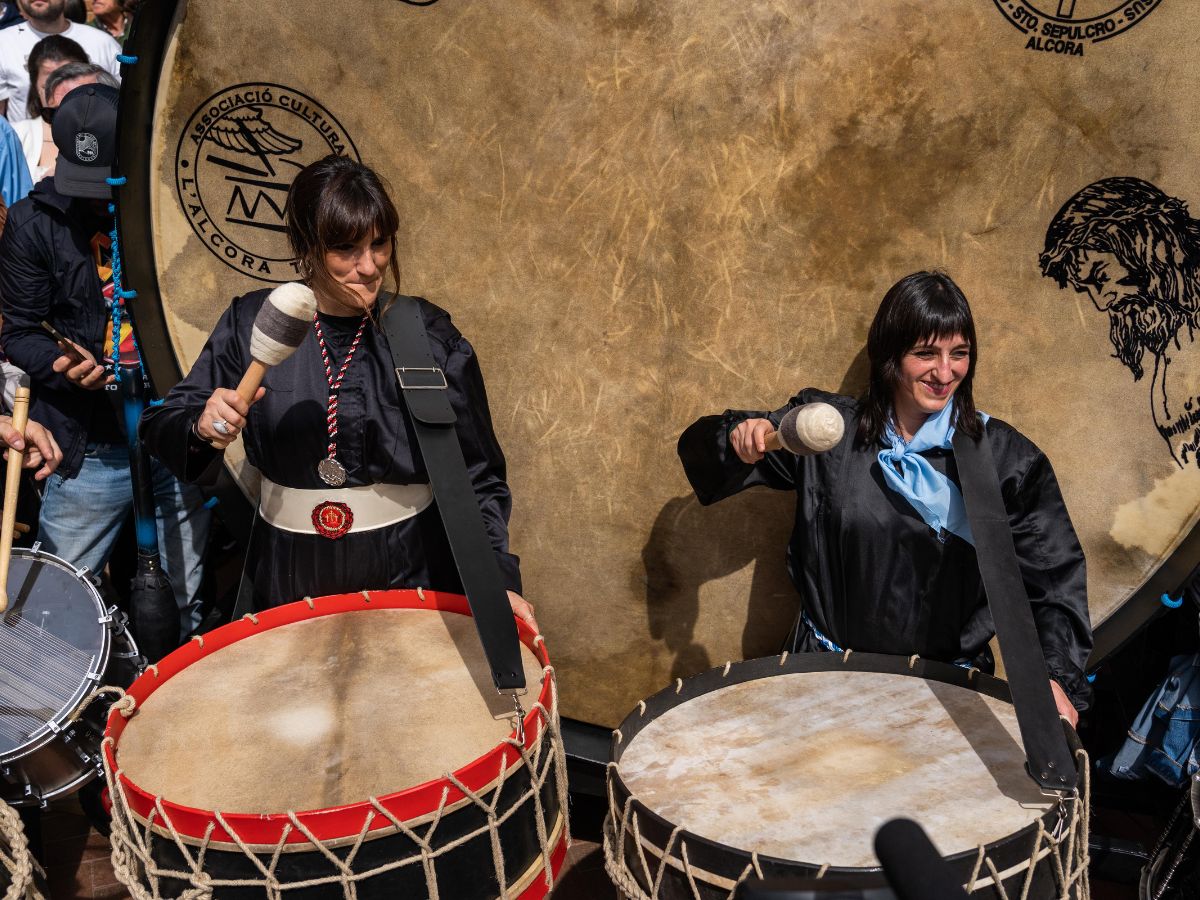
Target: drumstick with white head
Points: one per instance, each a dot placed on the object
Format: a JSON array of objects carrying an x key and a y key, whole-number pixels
[
  {"x": 279, "y": 328},
  {"x": 811, "y": 428},
  {"x": 12, "y": 484}
]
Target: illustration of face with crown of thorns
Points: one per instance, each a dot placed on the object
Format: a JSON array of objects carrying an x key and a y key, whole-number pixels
[{"x": 1135, "y": 252}]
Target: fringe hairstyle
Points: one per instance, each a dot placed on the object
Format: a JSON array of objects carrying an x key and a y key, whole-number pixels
[
  {"x": 924, "y": 306},
  {"x": 337, "y": 201}
]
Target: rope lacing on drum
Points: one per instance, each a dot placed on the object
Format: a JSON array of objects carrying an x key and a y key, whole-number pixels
[
  {"x": 119, "y": 292},
  {"x": 15, "y": 853},
  {"x": 626, "y": 863},
  {"x": 125, "y": 703},
  {"x": 135, "y": 865}
]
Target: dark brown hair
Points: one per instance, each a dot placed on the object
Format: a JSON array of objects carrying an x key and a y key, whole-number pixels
[
  {"x": 333, "y": 201},
  {"x": 922, "y": 307},
  {"x": 53, "y": 48}
]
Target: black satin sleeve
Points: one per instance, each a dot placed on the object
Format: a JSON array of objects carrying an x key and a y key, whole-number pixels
[
  {"x": 166, "y": 429},
  {"x": 713, "y": 468},
  {"x": 1051, "y": 559}
]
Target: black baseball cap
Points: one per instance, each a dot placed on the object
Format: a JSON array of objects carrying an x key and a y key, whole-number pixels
[{"x": 85, "y": 132}]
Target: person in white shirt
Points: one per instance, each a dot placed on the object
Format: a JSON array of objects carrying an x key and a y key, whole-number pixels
[{"x": 44, "y": 18}]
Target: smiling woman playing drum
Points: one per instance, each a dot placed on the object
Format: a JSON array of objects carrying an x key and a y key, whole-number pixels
[
  {"x": 346, "y": 501},
  {"x": 881, "y": 553}
]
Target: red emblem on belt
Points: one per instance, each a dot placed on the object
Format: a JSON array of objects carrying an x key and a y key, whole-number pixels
[{"x": 332, "y": 519}]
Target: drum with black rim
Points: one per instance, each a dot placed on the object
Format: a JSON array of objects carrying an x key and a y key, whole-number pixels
[{"x": 786, "y": 766}]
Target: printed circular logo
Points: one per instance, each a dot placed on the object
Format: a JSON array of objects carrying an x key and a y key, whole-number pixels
[
  {"x": 235, "y": 161},
  {"x": 1066, "y": 26},
  {"x": 87, "y": 148}
]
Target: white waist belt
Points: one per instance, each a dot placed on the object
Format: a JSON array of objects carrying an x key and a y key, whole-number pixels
[{"x": 333, "y": 512}]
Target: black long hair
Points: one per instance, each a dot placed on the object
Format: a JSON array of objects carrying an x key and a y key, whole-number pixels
[
  {"x": 332, "y": 201},
  {"x": 924, "y": 306}
]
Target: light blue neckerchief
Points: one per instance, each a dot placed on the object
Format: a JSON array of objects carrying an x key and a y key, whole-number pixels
[{"x": 934, "y": 496}]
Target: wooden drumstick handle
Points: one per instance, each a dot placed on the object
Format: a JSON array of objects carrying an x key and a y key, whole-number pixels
[
  {"x": 252, "y": 380},
  {"x": 12, "y": 484},
  {"x": 773, "y": 443}
]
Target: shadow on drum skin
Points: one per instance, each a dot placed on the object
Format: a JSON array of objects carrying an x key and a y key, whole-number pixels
[
  {"x": 470, "y": 650},
  {"x": 23, "y": 594},
  {"x": 858, "y": 374},
  {"x": 995, "y": 746},
  {"x": 690, "y": 545}
]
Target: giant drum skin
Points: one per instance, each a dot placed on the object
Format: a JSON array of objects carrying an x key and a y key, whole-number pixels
[{"x": 640, "y": 212}]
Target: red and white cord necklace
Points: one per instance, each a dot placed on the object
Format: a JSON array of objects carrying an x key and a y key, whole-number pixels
[{"x": 332, "y": 472}]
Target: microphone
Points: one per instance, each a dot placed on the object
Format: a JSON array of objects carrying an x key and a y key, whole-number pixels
[
  {"x": 279, "y": 328},
  {"x": 811, "y": 428},
  {"x": 913, "y": 866}
]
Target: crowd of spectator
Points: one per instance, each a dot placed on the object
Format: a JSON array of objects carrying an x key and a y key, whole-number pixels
[{"x": 59, "y": 84}]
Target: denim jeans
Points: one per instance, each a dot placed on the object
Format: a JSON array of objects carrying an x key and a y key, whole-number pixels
[{"x": 81, "y": 519}]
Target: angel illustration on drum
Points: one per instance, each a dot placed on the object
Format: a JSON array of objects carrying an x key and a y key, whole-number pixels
[{"x": 1135, "y": 251}]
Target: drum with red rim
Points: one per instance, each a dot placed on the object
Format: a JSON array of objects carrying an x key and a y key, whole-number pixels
[{"x": 346, "y": 745}]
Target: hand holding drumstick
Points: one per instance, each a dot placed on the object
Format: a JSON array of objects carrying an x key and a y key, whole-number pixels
[
  {"x": 279, "y": 328},
  {"x": 12, "y": 484},
  {"x": 804, "y": 430}
]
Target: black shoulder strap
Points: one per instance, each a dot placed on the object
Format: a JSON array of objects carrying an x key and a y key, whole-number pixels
[
  {"x": 423, "y": 386},
  {"x": 1046, "y": 752}
]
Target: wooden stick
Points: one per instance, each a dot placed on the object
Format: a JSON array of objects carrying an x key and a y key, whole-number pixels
[
  {"x": 12, "y": 484},
  {"x": 252, "y": 380},
  {"x": 772, "y": 442}
]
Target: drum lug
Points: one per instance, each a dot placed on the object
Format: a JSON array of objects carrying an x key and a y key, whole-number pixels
[
  {"x": 54, "y": 726},
  {"x": 37, "y": 545}
]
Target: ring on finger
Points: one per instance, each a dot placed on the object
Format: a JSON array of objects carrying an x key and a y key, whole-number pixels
[{"x": 220, "y": 426}]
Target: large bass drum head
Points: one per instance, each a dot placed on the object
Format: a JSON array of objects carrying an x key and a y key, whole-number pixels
[{"x": 643, "y": 212}]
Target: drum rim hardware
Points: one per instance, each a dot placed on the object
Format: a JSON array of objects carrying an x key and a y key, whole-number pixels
[{"x": 66, "y": 714}]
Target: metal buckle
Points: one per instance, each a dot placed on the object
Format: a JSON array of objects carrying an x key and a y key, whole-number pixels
[{"x": 430, "y": 370}]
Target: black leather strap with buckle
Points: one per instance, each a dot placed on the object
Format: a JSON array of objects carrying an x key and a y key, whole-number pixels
[
  {"x": 1046, "y": 752},
  {"x": 423, "y": 386}
]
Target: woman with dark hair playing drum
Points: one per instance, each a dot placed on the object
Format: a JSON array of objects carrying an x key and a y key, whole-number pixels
[
  {"x": 346, "y": 501},
  {"x": 882, "y": 553}
]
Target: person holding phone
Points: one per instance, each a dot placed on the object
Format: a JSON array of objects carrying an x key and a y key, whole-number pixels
[{"x": 58, "y": 302}]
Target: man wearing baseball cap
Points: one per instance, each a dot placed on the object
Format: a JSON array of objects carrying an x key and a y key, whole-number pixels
[{"x": 56, "y": 266}]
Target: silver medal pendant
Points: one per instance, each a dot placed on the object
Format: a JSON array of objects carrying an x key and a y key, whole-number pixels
[{"x": 332, "y": 472}]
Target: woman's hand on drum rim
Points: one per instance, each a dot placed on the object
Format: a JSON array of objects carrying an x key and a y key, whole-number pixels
[
  {"x": 1065, "y": 708},
  {"x": 749, "y": 439},
  {"x": 38, "y": 446},
  {"x": 228, "y": 408},
  {"x": 523, "y": 610}
]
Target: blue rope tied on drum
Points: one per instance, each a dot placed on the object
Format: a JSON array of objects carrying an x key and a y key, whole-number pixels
[
  {"x": 119, "y": 293},
  {"x": 1166, "y": 601}
]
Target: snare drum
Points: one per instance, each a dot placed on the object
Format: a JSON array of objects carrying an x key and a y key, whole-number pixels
[
  {"x": 348, "y": 745},
  {"x": 57, "y": 642},
  {"x": 786, "y": 766}
]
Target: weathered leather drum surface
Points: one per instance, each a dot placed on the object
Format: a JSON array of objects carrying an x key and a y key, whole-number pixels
[
  {"x": 786, "y": 766},
  {"x": 640, "y": 212},
  {"x": 807, "y": 766},
  {"x": 322, "y": 713}
]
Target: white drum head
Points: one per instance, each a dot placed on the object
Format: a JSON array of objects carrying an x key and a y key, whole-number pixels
[{"x": 807, "y": 766}]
